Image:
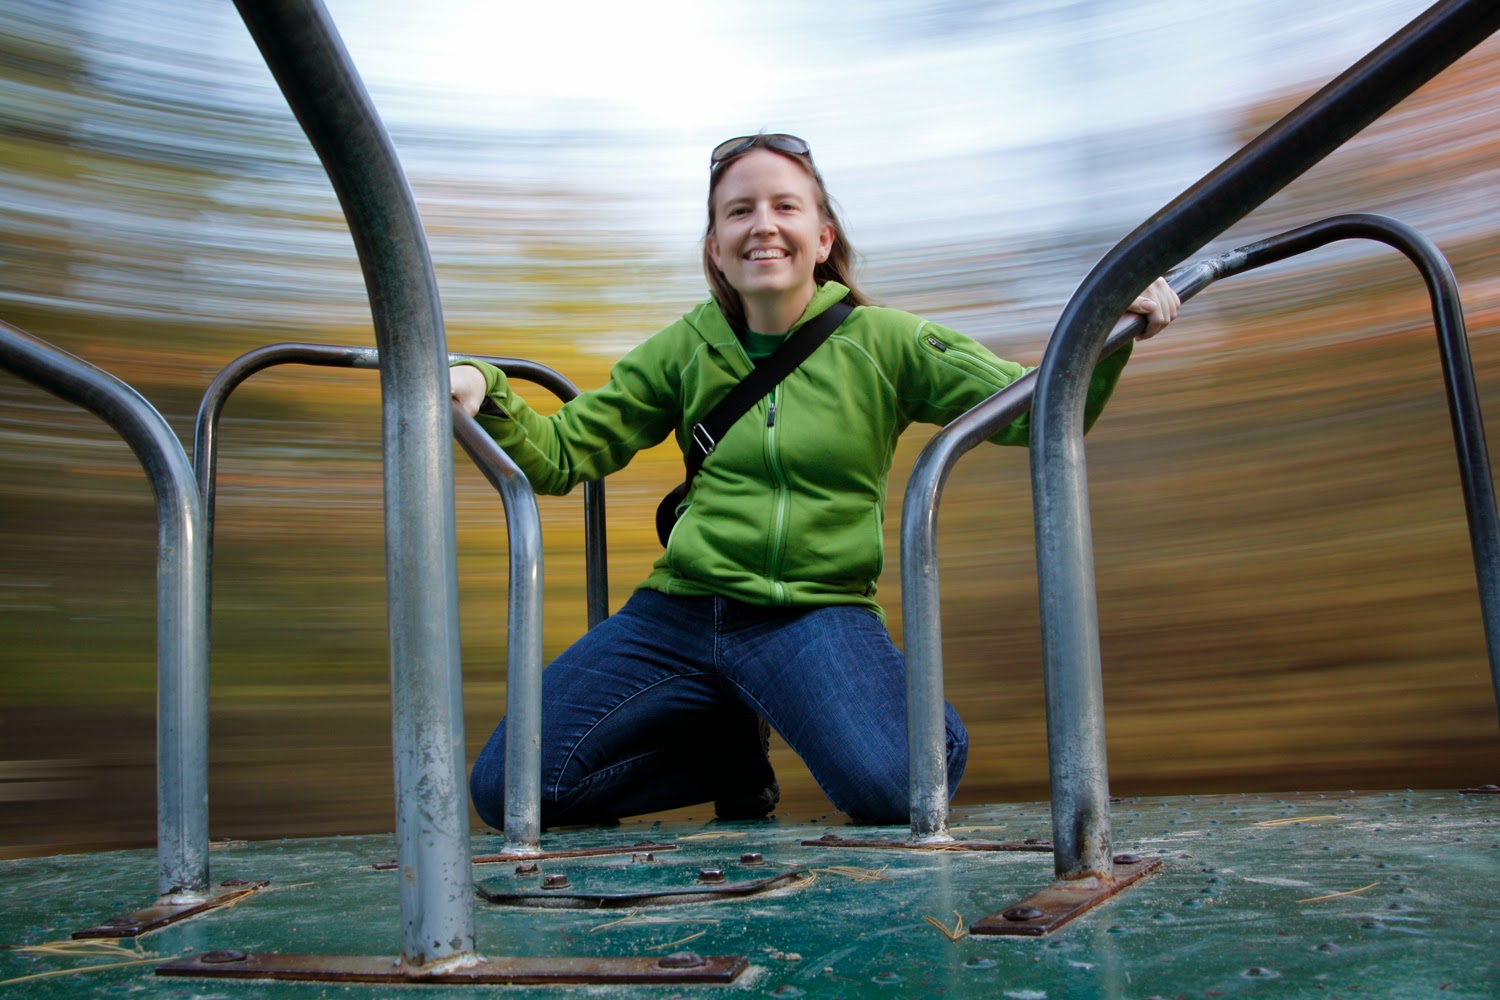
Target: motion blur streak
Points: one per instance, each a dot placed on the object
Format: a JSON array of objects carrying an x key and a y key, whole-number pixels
[{"x": 1286, "y": 595}]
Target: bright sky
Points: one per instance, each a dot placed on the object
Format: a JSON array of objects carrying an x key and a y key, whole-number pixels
[{"x": 874, "y": 85}]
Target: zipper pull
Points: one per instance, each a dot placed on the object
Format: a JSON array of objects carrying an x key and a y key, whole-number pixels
[{"x": 771, "y": 417}]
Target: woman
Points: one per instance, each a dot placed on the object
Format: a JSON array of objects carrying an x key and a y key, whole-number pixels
[{"x": 762, "y": 607}]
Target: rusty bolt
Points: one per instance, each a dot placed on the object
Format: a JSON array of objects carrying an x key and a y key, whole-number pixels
[
  {"x": 1019, "y": 913},
  {"x": 1127, "y": 859},
  {"x": 753, "y": 858},
  {"x": 554, "y": 881},
  {"x": 530, "y": 868},
  {"x": 643, "y": 859},
  {"x": 710, "y": 875},
  {"x": 682, "y": 960},
  {"x": 221, "y": 956}
]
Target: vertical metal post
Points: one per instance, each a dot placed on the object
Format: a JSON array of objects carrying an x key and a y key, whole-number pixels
[
  {"x": 309, "y": 62},
  {"x": 1070, "y": 621},
  {"x": 181, "y": 601}
]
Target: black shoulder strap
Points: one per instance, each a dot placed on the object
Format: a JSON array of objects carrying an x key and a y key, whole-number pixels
[{"x": 761, "y": 380}]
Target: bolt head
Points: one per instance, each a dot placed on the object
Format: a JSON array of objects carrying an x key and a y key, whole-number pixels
[
  {"x": 1016, "y": 914},
  {"x": 682, "y": 960}
]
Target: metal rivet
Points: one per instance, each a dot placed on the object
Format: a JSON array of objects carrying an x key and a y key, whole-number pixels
[
  {"x": 528, "y": 869},
  {"x": 1019, "y": 913},
  {"x": 1127, "y": 859},
  {"x": 122, "y": 922},
  {"x": 711, "y": 875},
  {"x": 642, "y": 859},
  {"x": 221, "y": 956},
  {"x": 752, "y": 858},
  {"x": 682, "y": 960},
  {"x": 554, "y": 881}
]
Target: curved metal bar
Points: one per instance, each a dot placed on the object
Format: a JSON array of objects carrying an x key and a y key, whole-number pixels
[
  {"x": 1064, "y": 554},
  {"x": 523, "y": 675},
  {"x": 1458, "y": 379},
  {"x": 181, "y": 601},
  {"x": 309, "y": 62},
  {"x": 211, "y": 407},
  {"x": 920, "y": 594},
  {"x": 206, "y": 440},
  {"x": 921, "y": 611}
]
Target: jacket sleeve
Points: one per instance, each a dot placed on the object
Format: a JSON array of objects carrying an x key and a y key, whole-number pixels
[
  {"x": 593, "y": 434},
  {"x": 955, "y": 373}
]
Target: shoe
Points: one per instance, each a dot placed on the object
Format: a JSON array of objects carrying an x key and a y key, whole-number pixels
[{"x": 754, "y": 803}]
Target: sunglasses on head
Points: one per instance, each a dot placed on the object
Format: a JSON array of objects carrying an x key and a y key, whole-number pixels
[{"x": 778, "y": 141}]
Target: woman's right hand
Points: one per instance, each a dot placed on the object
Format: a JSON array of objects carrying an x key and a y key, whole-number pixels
[{"x": 468, "y": 387}]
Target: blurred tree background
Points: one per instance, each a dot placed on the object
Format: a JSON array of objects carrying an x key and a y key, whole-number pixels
[{"x": 1286, "y": 591}]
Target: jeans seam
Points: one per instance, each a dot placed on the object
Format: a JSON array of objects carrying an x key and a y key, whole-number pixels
[{"x": 573, "y": 749}]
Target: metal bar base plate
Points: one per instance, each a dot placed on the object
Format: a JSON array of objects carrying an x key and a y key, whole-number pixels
[
  {"x": 834, "y": 840},
  {"x": 161, "y": 914},
  {"x": 1048, "y": 909},
  {"x": 683, "y": 967}
]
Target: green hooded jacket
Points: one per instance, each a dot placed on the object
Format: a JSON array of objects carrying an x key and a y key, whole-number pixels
[{"x": 788, "y": 508}]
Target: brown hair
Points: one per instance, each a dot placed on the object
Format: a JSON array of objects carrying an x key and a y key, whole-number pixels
[{"x": 838, "y": 267}]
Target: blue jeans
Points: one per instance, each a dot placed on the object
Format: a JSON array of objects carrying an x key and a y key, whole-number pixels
[{"x": 659, "y": 705}]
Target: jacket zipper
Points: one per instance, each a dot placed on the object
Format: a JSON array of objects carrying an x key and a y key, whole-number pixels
[
  {"x": 778, "y": 519},
  {"x": 1000, "y": 377}
]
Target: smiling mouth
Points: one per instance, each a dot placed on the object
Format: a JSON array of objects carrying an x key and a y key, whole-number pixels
[{"x": 766, "y": 254}]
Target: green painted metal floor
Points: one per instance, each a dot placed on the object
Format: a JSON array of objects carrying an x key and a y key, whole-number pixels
[{"x": 1361, "y": 895}]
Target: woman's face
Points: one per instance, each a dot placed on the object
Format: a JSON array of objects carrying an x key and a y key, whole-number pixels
[{"x": 768, "y": 233}]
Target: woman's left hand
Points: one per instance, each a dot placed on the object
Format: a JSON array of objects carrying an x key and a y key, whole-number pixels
[{"x": 1159, "y": 304}]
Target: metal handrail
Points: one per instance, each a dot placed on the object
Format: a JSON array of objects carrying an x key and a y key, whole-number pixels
[
  {"x": 523, "y": 676},
  {"x": 305, "y": 55},
  {"x": 919, "y": 581},
  {"x": 230, "y": 377},
  {"x": 921, "y": 611},
  {"x": 1069, "y": 613},
  {"x": 181, "y": 601},
  {"x": 523, "y": 524}
]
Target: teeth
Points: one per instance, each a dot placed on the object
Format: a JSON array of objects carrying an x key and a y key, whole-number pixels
[{"x": 766, "y": 254}]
